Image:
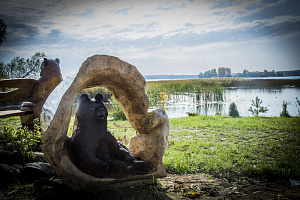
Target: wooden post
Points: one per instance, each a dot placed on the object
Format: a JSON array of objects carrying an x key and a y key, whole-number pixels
[{"x": 27, "y": 119}]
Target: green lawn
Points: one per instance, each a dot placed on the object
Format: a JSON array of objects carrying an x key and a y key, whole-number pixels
[
  {"x": 247, "y": 145},
  {"x": 223, "y": 145},
  {"x": 264, "y": 146}
]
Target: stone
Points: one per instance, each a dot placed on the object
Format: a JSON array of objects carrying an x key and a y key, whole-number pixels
[
  {"x": 39, "y": 157},
  {"x": 38, "y": 169},
  {"x": 8, "y": 174},
  {"x": 10, "y": 157},
  {"x": 18, "y": 167},
  {"x": 56, "y": 181},
  {"x": 128, "y": 87},
  {"x": 8, "y": 170}
]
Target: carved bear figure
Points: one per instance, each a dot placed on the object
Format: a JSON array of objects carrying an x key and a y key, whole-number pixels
[
  {"x": 36, "y": 91},
  {"x": 50, "y": 77},
  {"x": 93, "y": 147}
]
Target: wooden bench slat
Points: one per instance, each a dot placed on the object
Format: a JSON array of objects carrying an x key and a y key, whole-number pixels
[{"x": 12, "y": 113}]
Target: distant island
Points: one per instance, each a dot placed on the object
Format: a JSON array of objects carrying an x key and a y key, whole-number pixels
[
  {"x": 226, "y": 72},
  {"x": 170, "y": 77},
  {"x": 291, "y": 73}
]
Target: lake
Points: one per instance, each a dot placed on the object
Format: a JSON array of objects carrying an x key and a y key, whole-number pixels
[{"x": 272, "y": 98}]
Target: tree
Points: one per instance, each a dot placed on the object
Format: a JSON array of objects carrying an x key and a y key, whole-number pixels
[
  {"x": 233, "y": 111},
  {"x": 214, "y": 73},
  {"x": 209, "y": 73},
  {"x": 245, "y": 73},
  {"x": 228, "y": 72},
  {"x": 3, "y": 73},
  {"x": 284, "y": 112},
  {"x": 21, "y": 68},
  {"x": 224, "y": 72},
  {"x": 257, "y": 107},
  {"x": 200, "y": 75},
  {"x": 3, "y": 31},
  {"x": 221, "y": 71},
  {"x": 298, "y": 105}
]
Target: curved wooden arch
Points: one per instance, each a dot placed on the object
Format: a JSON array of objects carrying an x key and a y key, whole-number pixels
[{"x": 128, "y": 87}]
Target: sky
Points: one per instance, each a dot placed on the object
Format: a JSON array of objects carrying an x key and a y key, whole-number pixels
[{"x": 157, "y": 36}]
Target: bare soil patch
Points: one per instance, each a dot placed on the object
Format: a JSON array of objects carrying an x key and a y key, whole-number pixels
[{"x": 192, "y": 186}]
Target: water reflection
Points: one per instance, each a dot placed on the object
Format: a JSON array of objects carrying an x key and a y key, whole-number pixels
[{"x": 272, "y": 98}]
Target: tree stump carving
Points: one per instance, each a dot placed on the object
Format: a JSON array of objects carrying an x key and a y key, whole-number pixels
[{"x": 128, "y": 86}]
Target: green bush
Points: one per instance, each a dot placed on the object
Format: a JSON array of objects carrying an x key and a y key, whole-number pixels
[
  {"x": 192, "y": 114},
  {"x": 117, "y": 112},
  {"x": 233, "y": 112},
  {"x": 284, "y": 112},
  {"x": 21, "y": 139},
  {"x": 257, "y": 107}
]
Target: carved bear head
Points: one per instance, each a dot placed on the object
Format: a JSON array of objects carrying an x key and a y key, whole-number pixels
[
  {"x": 91, "y": 109},
  {"x": 50, "y": 67}
]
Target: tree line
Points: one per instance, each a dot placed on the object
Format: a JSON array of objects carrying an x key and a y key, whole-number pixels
[
  {"x": 226, "y": 72},
  {"x": 264, "y": 73},
  {"x": 19, "y": 67},
  {"x": 222, "y": 72}
]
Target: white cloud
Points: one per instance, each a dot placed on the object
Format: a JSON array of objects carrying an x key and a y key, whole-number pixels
[
  {"x": 145, "y": 31},
  {"x": 102, "y": 19}
]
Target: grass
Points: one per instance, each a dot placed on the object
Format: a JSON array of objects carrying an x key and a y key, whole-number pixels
[
  {"x": 264, "y": 146},
  {"x": 10, "y": 121},
  {"x": 225, "y": 146},
  {"x": 248, "y": 145}
]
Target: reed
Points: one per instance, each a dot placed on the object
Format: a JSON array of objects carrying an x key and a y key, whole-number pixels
[
  {"x": 201, "y": 90},
  {"x": 231, "y": 82}
]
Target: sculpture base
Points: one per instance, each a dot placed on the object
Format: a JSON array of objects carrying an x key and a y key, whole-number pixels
[{"x": 122, "y": 182}]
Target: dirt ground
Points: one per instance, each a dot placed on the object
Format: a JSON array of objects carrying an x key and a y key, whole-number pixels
[
  {"x": 196, "y": 186},
  {"x": 202, "y": 187}
]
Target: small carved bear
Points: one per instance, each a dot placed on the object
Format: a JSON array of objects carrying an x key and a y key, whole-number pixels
[
  {"x": 93, "y": 147},
  {"x": 50, "y": 78}
]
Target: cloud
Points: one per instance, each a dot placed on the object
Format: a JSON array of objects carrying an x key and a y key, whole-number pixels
[
  {"x": 132, "y": 20},
  {"x": 171, "y": 32}
]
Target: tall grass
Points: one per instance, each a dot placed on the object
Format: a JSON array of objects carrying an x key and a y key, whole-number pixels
[
  {"x": 227, "y": 82},
  {"x": 198, "y": 89}
]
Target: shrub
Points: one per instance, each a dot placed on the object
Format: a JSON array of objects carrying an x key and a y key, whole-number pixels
[
  {"x": 22, "y": 140},
  {"x": 117, "y": 112},
  {"x": 192, "y": 114},
  {"x": 233, "y": 112},
  {"x": 284, "y": 112},
  {"x": 257, "y": 107},
  {"x": 298, "y": 105}
]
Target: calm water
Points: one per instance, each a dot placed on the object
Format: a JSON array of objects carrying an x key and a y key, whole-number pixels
[
  {"x": 271, "y": 98},
  {"x": 180, "y": 105}
]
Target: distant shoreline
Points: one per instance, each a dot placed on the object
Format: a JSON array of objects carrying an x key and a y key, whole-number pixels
[{"x": 187, "y": 77}]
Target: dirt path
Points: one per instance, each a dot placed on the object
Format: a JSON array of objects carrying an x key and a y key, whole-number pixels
[
  {"x": 202, "y": 187},
  {"x": 198, "y": 186}
]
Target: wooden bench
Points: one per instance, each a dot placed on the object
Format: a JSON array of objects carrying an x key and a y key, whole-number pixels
[
  {"x": 27, "y": 89},
  {"x": 12, "y": 113},
  {"x": 26, "y": 114}
]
